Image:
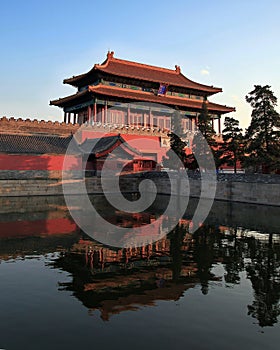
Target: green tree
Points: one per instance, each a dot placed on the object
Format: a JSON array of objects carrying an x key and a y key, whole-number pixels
[
  {"x": 263, "y": 134},
  {"x": 205, "y": 133},
  {"x": 232, "y": 146},
  {"x": 176, "y": 155},
  {"x": 204, "y": 124}
]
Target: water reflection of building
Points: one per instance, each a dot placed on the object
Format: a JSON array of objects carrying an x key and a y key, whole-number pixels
[{"x": 116, "y": 280}]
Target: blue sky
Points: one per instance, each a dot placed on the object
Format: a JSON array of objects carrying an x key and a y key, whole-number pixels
[{"x": 232, "y": 45}]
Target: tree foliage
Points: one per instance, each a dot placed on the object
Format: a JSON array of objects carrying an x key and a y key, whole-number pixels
[
  {"x": 263, "y": 134},
  {"x": 176, "y": 155},
  {"x": 204, "y": 141},
  {"x": 232, "y": 147},
  {"x": 204, "y": 124}
]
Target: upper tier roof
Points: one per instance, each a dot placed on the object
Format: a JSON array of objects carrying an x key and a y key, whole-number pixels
[{"x": 144, "y": 72}]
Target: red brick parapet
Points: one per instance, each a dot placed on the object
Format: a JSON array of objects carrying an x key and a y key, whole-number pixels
[{"x": 29, "y": 127}]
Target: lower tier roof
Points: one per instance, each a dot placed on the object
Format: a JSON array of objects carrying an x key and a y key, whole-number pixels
[{"x": 129, "y": 95}]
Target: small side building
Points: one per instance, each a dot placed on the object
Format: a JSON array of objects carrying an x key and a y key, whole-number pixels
[{"x": 118, "y": 154}]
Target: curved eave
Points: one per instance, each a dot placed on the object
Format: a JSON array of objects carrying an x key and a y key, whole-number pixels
[
  {"x": 220, "y": 109},
  {"x": 68, "y": 100},
  {"x": 142, "y": 96},
  {"x": 139, "y": 96},
  {"x": 211, "y": 90},
  {"x": 74, "y": 81}
]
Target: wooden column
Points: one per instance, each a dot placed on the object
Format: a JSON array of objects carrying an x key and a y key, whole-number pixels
[
  {"x": 124, "y": 117},
  {"x": 102, "y": 114},
  {"x": 65, "y": 117},
  {"x": 106, "y": 113},
  {"x": 91, "y": 114},
  {"x": 150, "y": 117},
  {"x": 188, "y": 124},
  {"x": 88, "y": 114},
  {"x": 219, "y": 125},
  {"x": 128, "y": 114},
  {"x": 212, "y": 121},
  {"x": 95, "y": 112},
  {"x": 69, "y": 118}
]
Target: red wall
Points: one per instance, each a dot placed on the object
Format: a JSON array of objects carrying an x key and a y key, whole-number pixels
[
  {"x": 37, "y": 228},
  {"x": 38, "y": 162}
]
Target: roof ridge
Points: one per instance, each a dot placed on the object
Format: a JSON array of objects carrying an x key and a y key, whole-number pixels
[
  {"x": 111, "y": 58},
  {"x": 146, "y": 65}
]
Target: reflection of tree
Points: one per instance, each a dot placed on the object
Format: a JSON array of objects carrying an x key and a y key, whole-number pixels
[
  {"x": 176, "y": 240},
  {"x": 264, "y": 273},
  {"x": 233, "y": 258},
  {"x": 262, "y": 261},
  {"x": 204, "y": 254}
]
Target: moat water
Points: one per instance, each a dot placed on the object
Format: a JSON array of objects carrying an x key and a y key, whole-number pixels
[{"x": 218, "y": 288}]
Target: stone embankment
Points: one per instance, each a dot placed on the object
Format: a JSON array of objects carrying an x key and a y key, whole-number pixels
[
  {"x": 246, "y": 188},
  {"x": 255, "y": 188}
]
